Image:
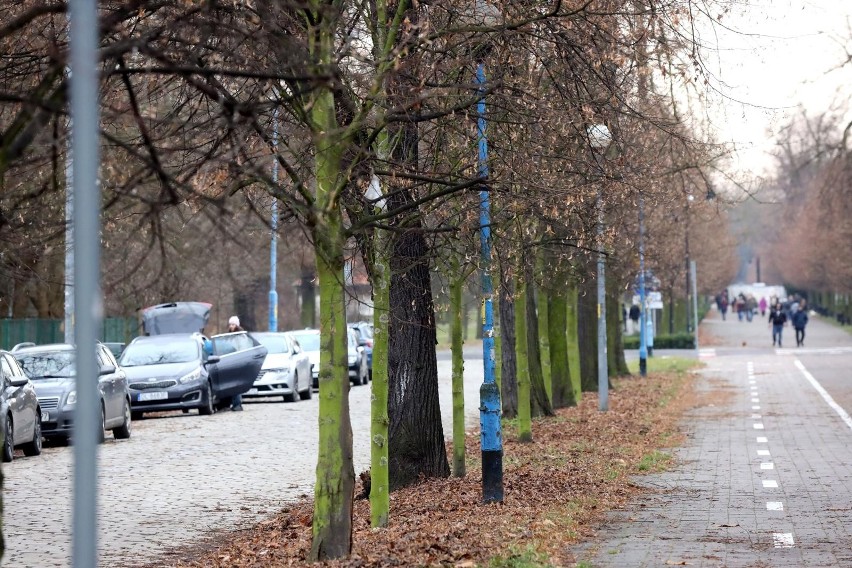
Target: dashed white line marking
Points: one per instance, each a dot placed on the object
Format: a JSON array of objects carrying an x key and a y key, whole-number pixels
[
  {"x": 770, "y": 484},
  {"x": 762, "y": 440},
  {"x": 774, "y": 506},
  {"x": 756, "y": 416},
  {"x": 767, "y": 465},
  {"x": 755, "y": 400},
  {"x": 752, "y": 382},
  {"x": 755, "y": 407},
  {"x": 827, "y": 397},
  {"x": 783, "y": 540},
  {"x": 758, "y": 426},
  {"x": 763, "y": 452}
]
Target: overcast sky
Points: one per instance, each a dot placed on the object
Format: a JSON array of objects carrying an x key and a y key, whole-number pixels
[{"x": 777, "y": 55}]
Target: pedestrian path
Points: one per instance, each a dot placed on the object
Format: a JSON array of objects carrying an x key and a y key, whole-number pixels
[{"x": 765, "y": 477}]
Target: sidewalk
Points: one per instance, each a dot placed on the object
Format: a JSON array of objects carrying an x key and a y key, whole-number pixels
[{"x": 764, "y": 478}]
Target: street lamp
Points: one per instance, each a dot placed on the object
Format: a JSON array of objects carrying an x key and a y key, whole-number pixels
[
  {"x": 273, "y": 224},
  {"x": 600, "y": 139},
  {"x": 491, "y": 437},
  {"x": 643, "y": 320}
]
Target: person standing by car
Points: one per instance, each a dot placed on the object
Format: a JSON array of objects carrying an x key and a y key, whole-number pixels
[
  {"x": 777, "y": 319},
  {"x": 234, "y": 326}
]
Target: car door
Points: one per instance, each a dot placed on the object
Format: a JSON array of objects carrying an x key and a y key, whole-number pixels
[
  {"x": 111, "y": 388},
  {"x": 301, "y": 363},
  {"x": 21, "y": 400},
  {"x": 240, "y": 360}
]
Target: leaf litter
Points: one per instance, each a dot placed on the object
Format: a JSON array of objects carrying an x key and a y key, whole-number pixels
[{"x": 557, "y": 490}]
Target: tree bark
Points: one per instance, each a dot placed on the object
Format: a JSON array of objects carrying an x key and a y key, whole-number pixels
[
  {"x": 573, "y": 342},
  {"x": 456, "y": 288},
  {"x": 543, "y": 312},
  {"x": 335, "y": 486},
  {"x": 539, "y": 401},
  {"x": 588, "y": 335},
  {"x": 379, "y": 466},
  {"x": 508, "y": 360},
  {"x": 562, "y": 393},
  {"x": 523, "y": 368}
]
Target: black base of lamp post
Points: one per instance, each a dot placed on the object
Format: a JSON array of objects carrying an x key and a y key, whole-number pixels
[{"x": 492, "y": 476}]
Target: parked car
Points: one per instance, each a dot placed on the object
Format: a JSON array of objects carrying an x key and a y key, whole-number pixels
[
  {"x": 19, "y": 410},
  {"x": 364, "y": 335},
  {"x": 115, "y": 347},
  {"x": 286, "y": 370},
  {"x": 171, "y": 368},
  {"x": 52, "y": 369},
  {"x": 309, "y": 340}
]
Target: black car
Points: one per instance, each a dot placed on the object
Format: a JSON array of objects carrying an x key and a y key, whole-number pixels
[
  {"x": 52, "y": 369},
  {"x": 176, "y": 367},
  {"x": 19, "y": 410}
]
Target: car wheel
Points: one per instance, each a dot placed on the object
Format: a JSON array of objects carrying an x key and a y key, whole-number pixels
[
  {"x": 33, "y": 448},
  {"x": 294, "y": 394},
  {"x": 207, "y": 409},
  {"x": 308, "y": 393},
  {"x": 8, "y": 441},
  {"x": 101, "y": 434},
  {"x": 123, "y": 431}
]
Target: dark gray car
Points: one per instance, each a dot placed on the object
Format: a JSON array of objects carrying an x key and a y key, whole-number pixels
[
  {"x": 52, "y": 369},
  {"x": 21, "y": 417}
]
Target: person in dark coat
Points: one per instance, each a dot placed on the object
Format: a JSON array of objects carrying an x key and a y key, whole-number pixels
[
  {"x": 237, "y": 400},
  {"x": 777, "y": 320},
  {"x": 800, "y": 320}
]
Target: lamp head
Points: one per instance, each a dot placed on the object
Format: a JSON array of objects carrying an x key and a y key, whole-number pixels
[{"x": 599, "y": 136}]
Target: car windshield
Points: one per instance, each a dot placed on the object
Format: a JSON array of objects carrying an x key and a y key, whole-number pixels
[
  {"x": 274, "y": 342},
  {"x": 308, "y": 341},
  {"x": 159, "y": 352},
  {"x": 52, "y": 365}
]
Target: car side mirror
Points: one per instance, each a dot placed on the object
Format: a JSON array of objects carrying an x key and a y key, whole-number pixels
[
  {"x": 18, "y": 382},
  {"x": 107, "y": 369},
  {"x": 212, "y": 359}
]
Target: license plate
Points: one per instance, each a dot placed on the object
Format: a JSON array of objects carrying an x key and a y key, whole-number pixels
[
  {"x": 153, "y": 396},
  {"x": 45, "y": 416}
]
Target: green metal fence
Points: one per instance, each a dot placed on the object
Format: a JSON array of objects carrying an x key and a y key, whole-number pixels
[{"x": 40, "y": 331}]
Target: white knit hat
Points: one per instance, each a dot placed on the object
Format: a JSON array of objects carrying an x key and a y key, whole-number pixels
[{"x": 234, "y": 321}]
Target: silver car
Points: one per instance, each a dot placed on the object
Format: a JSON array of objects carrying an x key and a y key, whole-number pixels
[
  {"x": 286, "y": 369},
  {"x": 356, "y": 357},
  {"x": 21, "y": 416},
  {"x": 52, "y": 369}
]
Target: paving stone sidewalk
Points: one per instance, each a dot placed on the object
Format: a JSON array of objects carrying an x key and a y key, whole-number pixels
[{"x": 764, "y": 478}]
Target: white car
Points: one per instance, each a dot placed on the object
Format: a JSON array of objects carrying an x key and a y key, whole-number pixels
[
  {"x": 309, "y": 339},
  {"x": 286, "y": 370}
]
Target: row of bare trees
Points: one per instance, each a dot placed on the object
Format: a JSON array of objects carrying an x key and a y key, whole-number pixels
[{"x": 374, "y": 104}]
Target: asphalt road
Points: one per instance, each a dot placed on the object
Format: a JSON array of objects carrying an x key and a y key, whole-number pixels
[{"x": 181, "y": 477}]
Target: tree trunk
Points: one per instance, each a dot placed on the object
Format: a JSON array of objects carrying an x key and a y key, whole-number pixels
[
  {"x": 539, "y": 402},
  {"x": 573, "y": 342},
  {"x": 456, "y": 288},
  {"x": 616, "y": 363},
  {"x": 416, "y": 434},
  {"x": 307, "y": 292},
  {"x": 562, "y": 393},
  {"x": 335, "y": 486},
  {"x": 544, "y": 340},
  {"x": 588, "y": 335},
  {"x": 523, "y": 367},
  {"x": 508, "y": 360},
  {"x": 379, "y": 466}
]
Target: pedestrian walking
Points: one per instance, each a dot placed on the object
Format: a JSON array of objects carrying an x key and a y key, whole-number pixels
[
  {"x": 751, "y": 306},
  {"x": 777, "y": 320},
  {"x": 234, "y": 326},
  {"x": 763, "y": 305},
  {"x": 800, "y": 320}
]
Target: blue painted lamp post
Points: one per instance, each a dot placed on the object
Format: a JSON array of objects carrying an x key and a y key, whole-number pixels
[
  {"x": 273, "y": 225},
  {"x": 599, "y": 139},
  {"x": 491, "y": 440}
]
